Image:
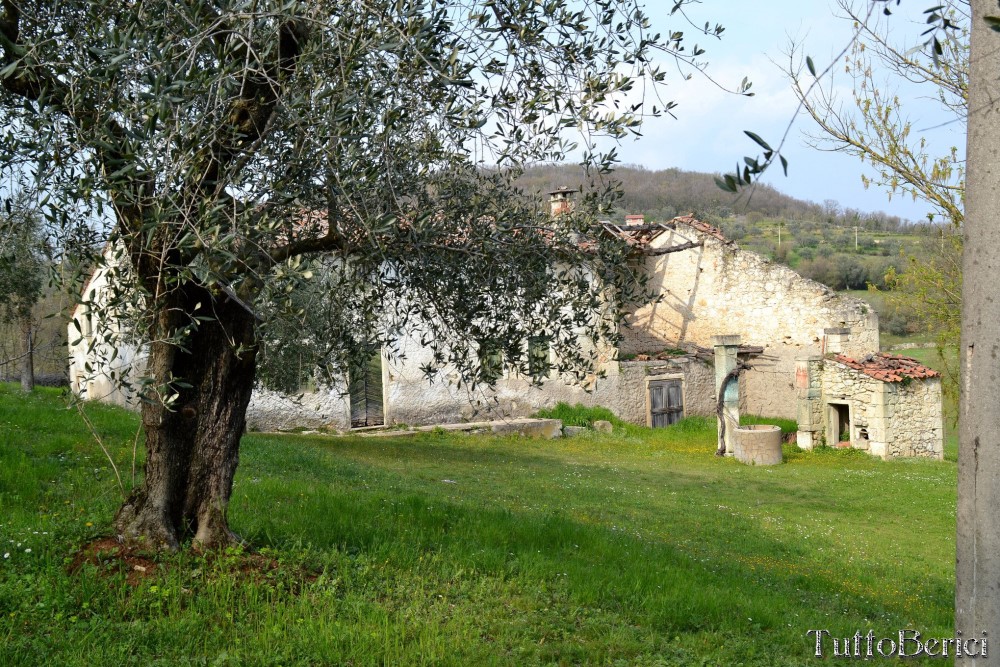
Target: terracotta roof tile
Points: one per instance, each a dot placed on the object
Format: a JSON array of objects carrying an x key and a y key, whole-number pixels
[{"x": 888, "y": 367}]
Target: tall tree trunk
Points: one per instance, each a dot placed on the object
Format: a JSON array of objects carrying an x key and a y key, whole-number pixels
[
  {"x": 28, "y": 355},
  {"x": 977, "y": 572},
  {"x": 192, "y": 442}
]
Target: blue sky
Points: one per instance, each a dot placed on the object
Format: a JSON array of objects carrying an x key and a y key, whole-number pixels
[{"x": 707, "y": 134}]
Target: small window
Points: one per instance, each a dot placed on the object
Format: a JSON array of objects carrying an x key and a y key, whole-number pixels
[
  {"x": 538, "y": 357},
  {"x": 85, "y": 324},
  {"x": 490, "y": 363}
]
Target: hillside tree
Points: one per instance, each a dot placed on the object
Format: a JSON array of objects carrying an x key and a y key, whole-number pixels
[
  {"x": 24, "y": 254},
  {"x": 243, "y": 151}
]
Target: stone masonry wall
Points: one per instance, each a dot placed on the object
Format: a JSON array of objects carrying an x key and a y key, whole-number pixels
[
  {"x": 719, "y": 289},
  {"x": 915, "y": 419},
  {"x": 900, "y": 418},
  {"x": 865, "y": 397},
  {"x": 411, "y": 399},
  {"x": 698, "y": 383}
]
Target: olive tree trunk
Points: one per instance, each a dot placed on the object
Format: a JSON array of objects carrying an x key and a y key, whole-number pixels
[
  {"x": 27, "y": 355},
  {"x": 192, "y": 442}
]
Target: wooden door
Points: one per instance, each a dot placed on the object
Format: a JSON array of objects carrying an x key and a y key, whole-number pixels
[
  {"x": 666, "y": 402},
  {"x": 366, "y": 394}
]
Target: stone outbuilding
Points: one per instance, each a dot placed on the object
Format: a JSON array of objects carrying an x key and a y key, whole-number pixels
[{"x": 885, "y": 404}]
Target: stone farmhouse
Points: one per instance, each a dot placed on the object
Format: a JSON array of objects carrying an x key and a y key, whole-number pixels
[
  {"x": 706, "y": 287},
  {"x": 887, "y": 405}
]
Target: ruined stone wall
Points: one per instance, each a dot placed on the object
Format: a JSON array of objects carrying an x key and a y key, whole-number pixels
[
  {"x": 719, "y": 289},
  {"x": 915, "y": 419},
  {"x": 899, "y": 418}
]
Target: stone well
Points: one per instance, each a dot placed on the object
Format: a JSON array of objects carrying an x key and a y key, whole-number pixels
[{"x": 758, "y": 444}]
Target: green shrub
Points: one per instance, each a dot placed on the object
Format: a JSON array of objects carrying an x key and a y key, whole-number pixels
[
  {"x": 787, "y": 425},
  {"x": 578, "y": 415},
  {"x": 695, "y": 424}
]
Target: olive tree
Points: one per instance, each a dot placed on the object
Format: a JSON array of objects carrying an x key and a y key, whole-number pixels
[
  {"x": 242, "y": 151},
  {"x": 24, "y": 253}
]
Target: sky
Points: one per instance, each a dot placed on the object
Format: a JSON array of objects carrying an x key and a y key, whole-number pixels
[{"x": 707, "y": 134}]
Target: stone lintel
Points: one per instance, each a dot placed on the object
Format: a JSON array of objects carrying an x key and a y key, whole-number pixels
[
  {"x": 727, "y": 340},
  {"x": 837, "y": 331}
]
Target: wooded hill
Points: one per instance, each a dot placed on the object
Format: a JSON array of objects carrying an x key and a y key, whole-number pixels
[{"x": 663, "y": 194}]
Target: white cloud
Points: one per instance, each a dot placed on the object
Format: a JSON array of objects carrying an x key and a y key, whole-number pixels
[{"x": 708, "y": 134}]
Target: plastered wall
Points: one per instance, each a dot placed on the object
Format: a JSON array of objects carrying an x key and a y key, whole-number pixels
[{"x": 411, "y": 399}]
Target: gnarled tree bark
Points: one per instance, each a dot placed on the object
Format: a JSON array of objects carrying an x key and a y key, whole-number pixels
[{"x": 192, "y": 444}]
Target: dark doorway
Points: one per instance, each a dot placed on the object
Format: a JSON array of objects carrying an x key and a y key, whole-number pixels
[
  {"x": 666, "y": 402},
  {"x": 366, "y": 394},
  {"x": 839, "y": 430}
]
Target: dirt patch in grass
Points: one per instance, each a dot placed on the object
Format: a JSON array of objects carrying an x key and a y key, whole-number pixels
[{"x": 111, "y": 556}]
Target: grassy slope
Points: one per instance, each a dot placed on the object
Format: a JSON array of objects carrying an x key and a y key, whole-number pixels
[{"x": 638, "y": 548}]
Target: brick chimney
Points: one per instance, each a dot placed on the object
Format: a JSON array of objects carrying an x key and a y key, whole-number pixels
[{"x": 560, "y": 202}]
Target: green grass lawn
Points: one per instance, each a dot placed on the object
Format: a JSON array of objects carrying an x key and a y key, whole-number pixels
[{"x": 635, "y": 548}]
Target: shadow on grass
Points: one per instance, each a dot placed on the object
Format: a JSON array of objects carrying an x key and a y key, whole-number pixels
[{"x": 715, "y": 576}]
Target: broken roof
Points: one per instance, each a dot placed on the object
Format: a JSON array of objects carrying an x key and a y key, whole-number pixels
[
  {"x": 640, "y": 236},
  {"x": 699, "y": 226},
  {"x": 888, "y": 367}
]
